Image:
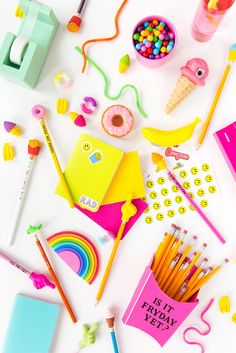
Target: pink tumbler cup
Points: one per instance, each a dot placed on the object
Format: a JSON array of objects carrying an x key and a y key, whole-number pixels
[{"x": 208, "y": 17}]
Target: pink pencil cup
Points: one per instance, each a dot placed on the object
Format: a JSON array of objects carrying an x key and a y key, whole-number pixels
[
  {"x": 207, "y": 20},
  {"x": 226, "y": 139},
  {"x": 151, "y": 63},
  {"x": 153, "y": 312}
]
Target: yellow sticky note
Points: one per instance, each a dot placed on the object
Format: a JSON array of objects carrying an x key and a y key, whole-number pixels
[
  {"x": 90, "y": 171},
  {"x": 127, "y": 180}
]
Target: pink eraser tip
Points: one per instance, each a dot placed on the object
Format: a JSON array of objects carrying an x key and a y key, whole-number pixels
[
  {"x": 80, "y": 121},
  {"x": 195, "y": 237},
  {"x": 9, "y": 125},
  {"x": 196, "y": 70},
  {"x": 205, "y": 245},
  {"x": 109, "y": 313}
]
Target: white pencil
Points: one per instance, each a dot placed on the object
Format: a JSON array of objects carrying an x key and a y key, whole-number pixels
[{"x": 33, "y": 151}]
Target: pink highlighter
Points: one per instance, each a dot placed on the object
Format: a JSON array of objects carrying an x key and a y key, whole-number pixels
[{"x": 226, "y": 139}]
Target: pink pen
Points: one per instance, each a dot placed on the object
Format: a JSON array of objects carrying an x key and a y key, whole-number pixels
[
  {"x": 158, "y": 160},
  {"x": 197, "y": 208},
  {"x": 39, "y": 281}
]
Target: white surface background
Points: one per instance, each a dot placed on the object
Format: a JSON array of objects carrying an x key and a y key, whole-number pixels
[{"x": 45, "y": 207}]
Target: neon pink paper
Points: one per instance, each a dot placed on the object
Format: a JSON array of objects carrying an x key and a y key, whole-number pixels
[
  {"x": 109, "y": 216},
  {"x": 226, "y": 139},
  {"x": 153, "y": 312}
]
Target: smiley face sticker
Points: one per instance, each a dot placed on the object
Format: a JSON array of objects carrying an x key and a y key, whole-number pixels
[
  {"x": 197, "y": 181},
  {"x": 156, "y": 206},
  {"x": 161, "y": 181},
  {"x": 160, "y": 216},
  {"x": 150, "y": 184},
  {"x": 204, "y": 203},
  {"x": 164, "y": 191},
  {"x": 167, "y": 202},
  {"x": 86, "y": 146},
  {"x": 175, "y": 188},
  {"x": 186, "y": 185},
  {"x": 149, "y": 220},
  {"x": 194, "y": 170},
  {"x": 182, "y": 210},
  {"x": 178, "y": 199},
  {"x": 212, "y": 189},
  {"x": 201, "y": 192},
  {"x": 171, "y": 213},
  {"x": 147, "y": 210},
  {"x": 205, "y": 167},
  {"x": 183, "y": 174},
  {"x": 209, "y": 178},
  {"x": 153, "y": 195}
]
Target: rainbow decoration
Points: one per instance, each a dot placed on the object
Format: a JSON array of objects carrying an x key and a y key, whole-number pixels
[{"x": 78, "y": 252}]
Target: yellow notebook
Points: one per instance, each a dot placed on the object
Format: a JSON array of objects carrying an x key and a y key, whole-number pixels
[
  {"x": 128, "y": 180},
  {"x": 90, "y": 171}
]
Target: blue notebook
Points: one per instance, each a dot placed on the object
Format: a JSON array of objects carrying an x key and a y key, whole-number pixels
[{"x": 31, "y": 326}]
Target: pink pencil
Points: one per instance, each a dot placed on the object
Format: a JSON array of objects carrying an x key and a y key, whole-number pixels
[{"x": 160, "y": 163}]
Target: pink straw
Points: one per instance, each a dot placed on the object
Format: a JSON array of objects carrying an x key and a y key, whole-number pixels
[{"x": 202, "y": 333}]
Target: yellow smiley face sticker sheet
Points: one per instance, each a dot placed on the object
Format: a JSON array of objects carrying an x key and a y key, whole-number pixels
[{"x": 165, "y": 200}]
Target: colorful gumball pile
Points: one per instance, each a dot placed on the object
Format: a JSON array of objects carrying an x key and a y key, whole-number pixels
[{"x": 154, "y": 39}]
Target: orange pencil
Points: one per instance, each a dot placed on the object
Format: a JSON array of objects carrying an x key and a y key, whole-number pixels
[
  {"x": 166, "y": 270},
  {"x": 204, "y": 272},
  {"x": 55, "y": 280},
  {"x": 187, "y": 270},
  {"x": 175, "y": 266},
  {"x": 173, "y": 238},
  {"x": 203, "y": 281}
]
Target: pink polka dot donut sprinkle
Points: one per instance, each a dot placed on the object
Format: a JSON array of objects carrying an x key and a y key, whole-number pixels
[{"x": 117, "y": 120}]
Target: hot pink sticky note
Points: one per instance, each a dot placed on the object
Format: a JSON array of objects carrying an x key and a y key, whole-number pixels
[{"x": 109, "y": 216}]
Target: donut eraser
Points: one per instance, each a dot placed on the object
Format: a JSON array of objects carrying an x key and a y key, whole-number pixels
[{"x": 38, "y": 111}]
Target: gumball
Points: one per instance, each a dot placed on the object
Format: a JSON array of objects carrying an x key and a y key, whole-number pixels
[
  {"x": 140, "y": 28},
  {"x": 143, "y": 49},
  {"x": 146, "y": 24},
  {"x": 156, "y": 51},
  {"x": 165, "y": 43},
  {"x": 160, "y": 27},
  {"x": 150, "y": 29},
  {"x": 162, "y": 55},
  {"x": 161, "y": 36},
  {"x": 150, "y": 38},
  {"x": 148, "y": 44},
  {"x": 145, "y": 54},
  {"x": 155, "y": 22},
  {"x": 151, "y": 56},
  {"x": 149, "y": 51},
  {"x": 171, "y": 35},
  {"x": 140, "y": 39},
  {"x": 136, "y": 36},
  {"x": 138, "y": 47},
  {"x": 162, "y": 23}
]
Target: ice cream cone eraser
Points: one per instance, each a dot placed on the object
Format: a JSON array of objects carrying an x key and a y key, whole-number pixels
[
  {"x": 193, "y": 74},
  {"x": 12, "y": 128}
]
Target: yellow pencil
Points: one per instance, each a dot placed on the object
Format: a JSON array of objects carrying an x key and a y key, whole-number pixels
[
  {"x": 175, "y": 266},
  {"x": 173, "y": 238},
  {"x": 203, "y": 281},
  {"x": 231, "y": 59},
  {"x": 166, "y": 269},
  {"x": 204, "y": 272},
  {"x": 188, "y": 284},
  {"x": 158, "y": 253},
  {"x": 128, "y": 210},
  {"x": 162, "y": 248},
  {"x": 184, "y": 271},
  {"x": 57, "y": 165},
  {"x": 197, "y": 272}
]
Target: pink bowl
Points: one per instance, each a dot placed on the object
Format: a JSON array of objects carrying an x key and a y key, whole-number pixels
[{"x": 155, "y": 62}]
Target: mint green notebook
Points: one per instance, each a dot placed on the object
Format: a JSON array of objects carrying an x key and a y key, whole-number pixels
[{"x": 31, "y": 326}]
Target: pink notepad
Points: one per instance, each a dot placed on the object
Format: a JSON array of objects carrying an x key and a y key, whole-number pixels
[{"x": 109, "y": 216}]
